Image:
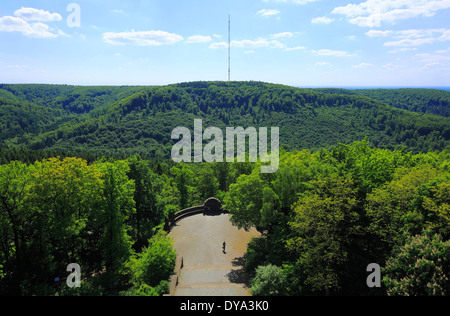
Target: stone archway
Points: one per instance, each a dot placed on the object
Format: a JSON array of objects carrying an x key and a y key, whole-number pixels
[{"x": 212, "y": 205}]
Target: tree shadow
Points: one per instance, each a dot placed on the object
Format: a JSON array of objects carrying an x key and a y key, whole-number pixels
[{"x": 238, "y": 275}]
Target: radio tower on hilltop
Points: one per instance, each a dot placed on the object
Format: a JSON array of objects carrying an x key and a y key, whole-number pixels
[{"x": 229, "y": 48}]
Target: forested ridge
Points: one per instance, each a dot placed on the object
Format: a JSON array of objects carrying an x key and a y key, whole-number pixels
[
  {"x": 118, "y": 121},
  {"x": 431, "y": 101},
  {"x": 86, "y": 177}
]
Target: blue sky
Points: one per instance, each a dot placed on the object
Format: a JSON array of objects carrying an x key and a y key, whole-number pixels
[{"x": 295, "y": 42}]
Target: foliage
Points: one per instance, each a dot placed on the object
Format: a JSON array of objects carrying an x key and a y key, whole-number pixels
[
  {"x": 84, "y": 178},
  {"x": 420, "y": 267},
  {"x": 268, "y": 281},
  {"x": 431, "y": 101},
  {"x": 325, "y": 224},
  {"x": 139, "y": 120},
  {"x": 326, "y": 215},
  {"x": 149, "y": 205},
  {"x": 155, "y": 263},
  {"x": 183, "y": 183},
  {"x": 117, "y": 204},
  {"x": 245, "y": 199},
  {"x": 58, "y": 211},
  {"x": 146, "y": 290}
]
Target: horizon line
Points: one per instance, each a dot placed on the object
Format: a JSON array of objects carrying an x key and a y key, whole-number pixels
[{"x": 349, "y": 87}]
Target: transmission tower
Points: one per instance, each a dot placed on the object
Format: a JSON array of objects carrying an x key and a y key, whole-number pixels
[{"x": 229, "y": 48}]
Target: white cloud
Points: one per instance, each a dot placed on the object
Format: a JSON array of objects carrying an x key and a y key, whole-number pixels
[
  {"x": 443, "y": 51},
  {"x": 329, "y": 52},
  {"x": 257, "y": 43},
  {"x": 282, "y": 35},
  {"x": 378, "y": 33},
  {"x": 289, "y": 49},
  {"x": 322, "y": 20},
  {"x": 445, "y": 36},
  {"x": 440, "y": 56},
  {"x": 262, "y": 42},
  {"x": 144, "y": 38},
  {"x": 23, "y": 20},
  {"x": 218, "y": 45},
  {"x": 292, "y": 1},
  {"x": 402, "y": 49},
  {"x": 363, "y": 65},
  {"x": 199, "y": 39},
  {"x": 391, "y": 67},
  {"x": 407, "y": 42},
  {"x": 25, "y": 68},
  {"x": 372, "y": 13},
  {"x": 272, "y": 41},
  {"x": 32, "y": 14},
  {"x": 34, "y": 30},
  {"x": 411, "y": 38},
  {"x": 323, "y": 63},
  {"x": 417, "y": 33},
  {"x": 268, "y": 12}
]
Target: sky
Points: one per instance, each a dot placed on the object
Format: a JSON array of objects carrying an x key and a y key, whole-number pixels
[{"x": 310, "y": 43}]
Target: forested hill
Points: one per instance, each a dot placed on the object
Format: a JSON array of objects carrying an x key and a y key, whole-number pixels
[
  {"x": 131, "y": 120},
  {"x": 431, "y": 101},
  {"x": 30, "y": 110}
]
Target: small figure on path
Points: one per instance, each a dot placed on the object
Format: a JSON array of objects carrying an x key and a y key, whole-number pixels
[{"x": 223, "y": 247}]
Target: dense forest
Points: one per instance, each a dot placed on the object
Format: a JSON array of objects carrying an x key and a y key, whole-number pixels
[
  {"x": 431, "y": 101},
  {"x": 86, "y": 177},
  {"x": 324, "y": 216},
  {"x": 136, "y": 120}
]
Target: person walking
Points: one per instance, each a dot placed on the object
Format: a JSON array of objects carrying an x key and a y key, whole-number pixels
[{"x": 223, "y": 246}]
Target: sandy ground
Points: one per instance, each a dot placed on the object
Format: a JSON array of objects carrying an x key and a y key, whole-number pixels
[{"x": 207, "y": 270}]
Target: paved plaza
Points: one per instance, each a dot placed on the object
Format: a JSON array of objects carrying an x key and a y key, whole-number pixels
[{"x": 207, "y": 270}]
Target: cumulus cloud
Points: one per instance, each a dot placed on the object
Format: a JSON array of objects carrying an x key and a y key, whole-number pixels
[
  {"x": 259, "y": 43},
  {"x": 32, "y": 14},
  {"x": 378, "y": 33},
  {"x": 413, "y": 37},
  {"x": 292, "y": 1},
  {"x": 372, "y": 13},
  {"x": 268, "y": 12},
  {"x": 199, "y": 39},
  {"x": 362, "y": 65},
  {"x": 329, "y": 52},
  {"x": 323, "y": 63},
  {"x": 34, "y": 30},
  {"x": 262, "y": 42},
  {"x": 289, "y": 49},
  {"x": 322, "y": 20},
  {"x": 407, "y": 42},
  {"x": 218, "y": 45},
  {"x": 282, "y": 35},
  {"x": 28, "y": 21},
  {"x": 144, "y": 38},
  {"x": 438, "y": 60}
]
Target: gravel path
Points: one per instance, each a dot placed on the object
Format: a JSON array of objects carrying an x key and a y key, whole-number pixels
[{"x": 207, "y": 270}]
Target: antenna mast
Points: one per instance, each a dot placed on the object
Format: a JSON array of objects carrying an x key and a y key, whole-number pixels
[{"x": 229, "y": 48}]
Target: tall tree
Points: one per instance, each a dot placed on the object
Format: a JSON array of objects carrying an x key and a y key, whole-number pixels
[
  {"x": 183, "y": 182},
  {"x": 325, "y": 225},
  {"x": 14, "y": 180},
  {"x": 116, "y": 205},
  {"x": 149, "y": 206}
]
